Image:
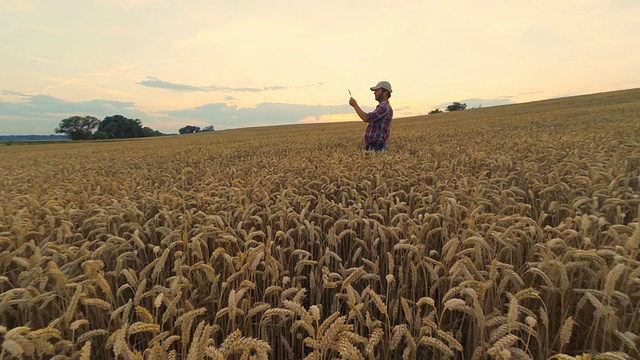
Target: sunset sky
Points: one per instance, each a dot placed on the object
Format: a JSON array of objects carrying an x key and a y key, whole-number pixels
[{"x": 242, "y": 63}]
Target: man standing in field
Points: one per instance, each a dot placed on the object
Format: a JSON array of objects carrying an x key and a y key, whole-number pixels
[{"x": 379, "y": 120}]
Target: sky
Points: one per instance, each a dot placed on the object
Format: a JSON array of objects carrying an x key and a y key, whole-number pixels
[{"x": 230, "y": 64}]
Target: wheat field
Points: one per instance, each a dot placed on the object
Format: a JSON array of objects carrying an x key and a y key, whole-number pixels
[{"x": 510, "y": 232}]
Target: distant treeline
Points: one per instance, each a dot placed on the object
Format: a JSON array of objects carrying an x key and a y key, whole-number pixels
[
  {"x": 22, "y": 138},
  {"x": 190, "y": 129},
  {"x": 455, "y": 106}
]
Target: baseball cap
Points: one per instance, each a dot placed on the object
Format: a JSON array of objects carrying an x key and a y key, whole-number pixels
[{"x": 382, "y": 85}]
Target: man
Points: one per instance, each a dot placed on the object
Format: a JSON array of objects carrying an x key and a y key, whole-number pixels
[{"x": 379, "y": 120}]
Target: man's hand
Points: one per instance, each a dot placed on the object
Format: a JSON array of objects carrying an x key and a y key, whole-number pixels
[{"x": 361, "y": 114}]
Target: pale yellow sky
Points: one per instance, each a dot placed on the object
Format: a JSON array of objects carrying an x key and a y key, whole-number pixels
[{"x": 246, "y": 63}]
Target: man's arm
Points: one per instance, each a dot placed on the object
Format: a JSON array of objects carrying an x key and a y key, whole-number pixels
[{"x": 363, "y": 115}]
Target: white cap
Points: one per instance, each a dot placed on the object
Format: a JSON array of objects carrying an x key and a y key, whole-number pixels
[{"x": 382, "y": 85}]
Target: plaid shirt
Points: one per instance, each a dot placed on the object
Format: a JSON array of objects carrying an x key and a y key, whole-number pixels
[{"x": 377, "y": 131}]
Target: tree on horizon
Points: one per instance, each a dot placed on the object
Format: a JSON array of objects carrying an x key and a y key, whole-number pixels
[
  {"x": 456, "y": 106},
  {"x": 78, "y": 127}
]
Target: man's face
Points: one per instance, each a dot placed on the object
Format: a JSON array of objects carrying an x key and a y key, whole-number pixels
[{"x": 379, "y": 94}]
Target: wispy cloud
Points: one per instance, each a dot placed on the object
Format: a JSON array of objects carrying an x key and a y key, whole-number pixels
[
  {"x": 161, "y": 84},
  {"x": 25, "y": 57},
  {"x": 110, "y": 72},
  {"x": 13, "y": 93},
  {"x": 18, "y": 5},
  {"x": 154, "y": 82},
  {"x": 61, "y": 83}
]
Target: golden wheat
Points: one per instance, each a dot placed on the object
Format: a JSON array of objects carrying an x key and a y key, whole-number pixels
[{"x": 507, "y": 232}]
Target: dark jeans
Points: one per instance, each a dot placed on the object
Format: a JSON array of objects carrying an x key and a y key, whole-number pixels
[{"x": 376, "y": 147}]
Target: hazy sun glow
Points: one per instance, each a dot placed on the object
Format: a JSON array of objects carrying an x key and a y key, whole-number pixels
[{"x": 327, "y": 118}]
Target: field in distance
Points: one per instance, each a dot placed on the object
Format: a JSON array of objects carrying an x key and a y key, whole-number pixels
[{"x": 502, "y": 232}]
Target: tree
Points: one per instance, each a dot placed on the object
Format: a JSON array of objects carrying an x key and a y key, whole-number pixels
[
  {"x": 189, "y": 129},
  {"x": 78, "y": 127},
  {"x": 149, "y": 132},
  {"x": 120, "y": 127},
  {"x": 100, "y": 135},
  {"x": 436, "y": 111},
  {"x": 208, "y": 128},
  {"x": 456, "y": 106}
]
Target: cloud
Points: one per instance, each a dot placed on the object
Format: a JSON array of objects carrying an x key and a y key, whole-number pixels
[
  {"x": 39, "y": 105},
  {"x": 311, "y": 85},
  {"x": 14, "y": 93},
  {"x": 161, "y": 84},
  {"x": 223, "y": 115},
  {"x": 157, "y": 83},
  {"x": 40, "y": 114}
]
